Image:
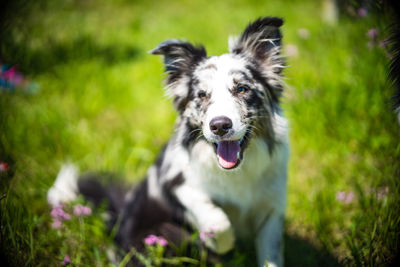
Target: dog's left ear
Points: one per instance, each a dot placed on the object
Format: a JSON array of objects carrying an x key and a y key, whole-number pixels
[
  {"x": 261, "y": 40},
  {"x": 179, "y": 57}
]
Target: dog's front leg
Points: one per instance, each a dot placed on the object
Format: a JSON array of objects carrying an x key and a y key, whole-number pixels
[
  {"x": 210, "y": 220},
  {"x": 269, "y": 242}
]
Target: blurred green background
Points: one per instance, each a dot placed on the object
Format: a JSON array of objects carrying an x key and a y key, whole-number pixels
[{"x": 92, "y": 95}]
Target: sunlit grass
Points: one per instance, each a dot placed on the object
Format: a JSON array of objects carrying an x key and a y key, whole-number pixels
[{"x": 101, "y": 106}]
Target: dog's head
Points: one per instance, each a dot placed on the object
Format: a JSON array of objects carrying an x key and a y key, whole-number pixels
[{"x": 231, "y": 98}]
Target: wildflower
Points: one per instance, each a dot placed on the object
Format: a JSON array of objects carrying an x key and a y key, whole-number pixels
[
  {"x": 11, "y": 79},
  {"x": 58, "y": 215},
  {"x": 3, "y": 167},
  {"x": 303, "y": 33},
  {"x": 81, "y": 210},
  {"x": 56, "y": 223},
  {"x": 372, "y": 34},
  {"x": 362, "y": 12},
  {"x": 344, "y": 197},
  {"x": 153, "y": 239},
  {"x": 162, "y": 241},
  {"x": 382, "y": 193},
  {"x": 291, "y": 50},
  {"x": 9, "y": 74},
  {"x": 207, "y": 234},
  {"x": 150, "y": 240},
  {"x": 66, "y": 260}
]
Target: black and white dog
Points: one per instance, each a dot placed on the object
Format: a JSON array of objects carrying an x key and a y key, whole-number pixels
[{"x": 224, "y": 170}]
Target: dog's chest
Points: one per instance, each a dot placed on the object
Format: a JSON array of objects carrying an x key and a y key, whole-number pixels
[{"x": 244, "y": 193}]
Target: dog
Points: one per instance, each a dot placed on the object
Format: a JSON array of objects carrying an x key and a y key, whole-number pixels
[{"x": 224, "y": 171}]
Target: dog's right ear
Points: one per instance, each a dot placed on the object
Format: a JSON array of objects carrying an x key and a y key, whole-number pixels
[
  {"x": 179, "y": 57},
  {"x": 260, "y": 40}
]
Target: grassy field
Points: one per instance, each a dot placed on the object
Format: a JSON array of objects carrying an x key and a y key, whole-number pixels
[{"x": 100, "y": 104}]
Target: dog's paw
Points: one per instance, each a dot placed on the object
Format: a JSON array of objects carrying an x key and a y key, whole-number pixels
[{"x": 218, "y": 236}]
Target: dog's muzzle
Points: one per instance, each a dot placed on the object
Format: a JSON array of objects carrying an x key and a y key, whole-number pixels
[{"x": 229, "y": 152}]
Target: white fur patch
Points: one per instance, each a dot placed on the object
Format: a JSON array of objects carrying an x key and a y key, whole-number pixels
[
  {"x": 217, "y": 82},
  {"x": 65, "y": 188},
  {"x": 208, "y": 218}
]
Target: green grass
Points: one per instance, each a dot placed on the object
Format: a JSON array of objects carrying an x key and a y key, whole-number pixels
[{"x": 101, "y": 105}]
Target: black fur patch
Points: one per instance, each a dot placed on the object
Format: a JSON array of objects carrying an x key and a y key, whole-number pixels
[
  {"x": 192, "y": 134},
  {"x": 179, "y": 57},
  {"x": 394, "y": 41},
  {"x": 141, "y": 216},
  {"x": 271, "y": 92},
  {"x": 103, "y": 188},
  {"x": 252, "y": 39}
]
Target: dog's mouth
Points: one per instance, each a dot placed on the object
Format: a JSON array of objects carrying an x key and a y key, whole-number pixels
[{"x": 230, "y": 152}]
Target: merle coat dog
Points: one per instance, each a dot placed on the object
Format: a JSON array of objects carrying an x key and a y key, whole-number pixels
[{"x": 224, "y": 170}]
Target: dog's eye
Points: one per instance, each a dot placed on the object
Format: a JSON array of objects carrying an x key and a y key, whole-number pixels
[
  {"x": 202, "y": 94},
  {"x": 241, "y": 89}
]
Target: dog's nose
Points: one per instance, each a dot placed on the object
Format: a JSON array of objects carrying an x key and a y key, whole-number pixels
[{"x": 220, "y": 125}]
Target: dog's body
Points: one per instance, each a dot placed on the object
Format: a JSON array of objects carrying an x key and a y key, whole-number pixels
[{"x": 224, "y": 170}]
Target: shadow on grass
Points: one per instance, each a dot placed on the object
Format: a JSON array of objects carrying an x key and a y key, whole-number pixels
[
  {"x": 53, "y": 53},
  {"x": 299, "y": 252}
]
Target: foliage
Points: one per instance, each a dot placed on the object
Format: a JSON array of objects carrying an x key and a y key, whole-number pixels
[{"x": 101, "y": 106}]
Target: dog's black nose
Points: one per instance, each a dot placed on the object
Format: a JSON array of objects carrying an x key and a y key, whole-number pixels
[{"x": 220, "y": 125}]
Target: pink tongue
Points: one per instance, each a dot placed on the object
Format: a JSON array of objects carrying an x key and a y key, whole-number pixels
[{"x": 228, "y": 153}]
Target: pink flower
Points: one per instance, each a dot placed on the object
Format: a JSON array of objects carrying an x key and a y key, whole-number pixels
[
  {"x": 382, "y": 193},
  {"x": 303, "y": 33},
  {"x": 207, "y": 234},
  {"x": 153, "y": 239},
  {"x": 291, "y": 50},
  {"x": 150, "y": 240},
  {"x": 9, "y": 74},
  {"x": 56, "y": 224},
  {"x": 3, "y": 167},
  {"x": 340, "y": 196},
  {"x": 362, "y": 12},
  {"x": 344, "y": 197},
  {"x": 18, "y": 79},
  {"x": 372, "y": 34},
  {"x": 161, "y": 241},
  {"x": 66, "y": 260},
  {"x": 81, "y": 210},
  {"x": 59, "y": 215}
]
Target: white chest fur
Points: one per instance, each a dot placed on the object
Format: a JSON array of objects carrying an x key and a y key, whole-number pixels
[{"x": 258, "y": 183}]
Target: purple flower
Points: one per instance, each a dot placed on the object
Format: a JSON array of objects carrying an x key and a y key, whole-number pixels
[
  {"x": 66, "y": 260},
  {"x": 9, "y": 74},
  {"x": 344, "y": 197},
  {"x": 340, "y": 196},
  {"x": 303, "y": 33},
  {"x": 380, "y": 193},
  {"x": 56, "y": 224},
  {"x": 207, "y": 234},
  {"x": 362, "y": 12},
  {"x": 150, "y": 240},
  {"x": 372, "y": 34},
  {"x": 58, "y": 215},
  {"x": 161, "y": 241},
  {"x": 3, "y": 166},
  {"x": 81, "y": 210},
  {"x": 153, "y": 239},
  {"x": 291, "y": 50}
]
